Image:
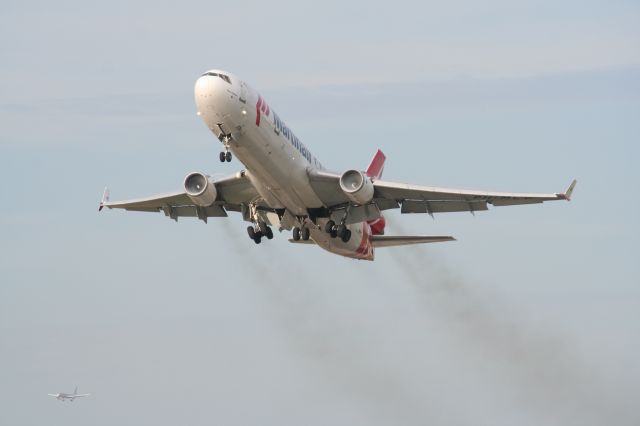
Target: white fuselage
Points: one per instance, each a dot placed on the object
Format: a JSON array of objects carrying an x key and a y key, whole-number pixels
[{"x": 276, "y": 161}]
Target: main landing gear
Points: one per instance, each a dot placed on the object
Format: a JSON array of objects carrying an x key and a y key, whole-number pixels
[
  {"x": 259, "y": 228},
  {"x": 301, "y": 233},
  {"x": 338, "y": 231},
  {"x": 225, "y": 156},
  {"x": 262, "y": 231}
]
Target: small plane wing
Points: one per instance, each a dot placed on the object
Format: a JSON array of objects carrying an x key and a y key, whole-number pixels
[
  {"x": 81, "y": 395},
  {"x": 232, "y": 192},
  {"x": 427, "y": 199}
]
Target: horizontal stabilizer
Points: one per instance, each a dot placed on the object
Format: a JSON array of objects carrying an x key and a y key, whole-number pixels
[{"x": 403, "y": 240}]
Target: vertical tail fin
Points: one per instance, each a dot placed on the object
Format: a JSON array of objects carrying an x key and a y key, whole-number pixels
[
  {"x": 105, "y": 198},
  {"x": 75, "y": 392},
  {"x": 374, "y": 171}
]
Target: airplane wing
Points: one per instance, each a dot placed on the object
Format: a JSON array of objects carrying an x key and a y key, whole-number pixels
[
  {"x": 81, "y": 395},
  {"x": 232, "y": 191},
  {"x": 53, "y": 394},
  {"x": 427, "y": 199}
]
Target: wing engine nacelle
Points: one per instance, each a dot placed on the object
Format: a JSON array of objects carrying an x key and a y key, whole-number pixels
[
  {"x": 201, "y": 191},
  {"x": 357, "y": 186}
]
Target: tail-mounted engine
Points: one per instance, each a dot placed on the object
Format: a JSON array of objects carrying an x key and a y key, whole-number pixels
[
  {"x": 201, "y": 191},
  {"x": 357, "y": 186}
]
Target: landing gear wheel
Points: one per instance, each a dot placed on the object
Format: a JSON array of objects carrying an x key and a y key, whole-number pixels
[
  {"x": 346, "y": 236},
  {"x": 258, "y": 238},
  {"x": 269, "y": 233},
  {"x": 223, "y": 157},
  {"x": 251, "y": 232},
  {"x": 333, "y": 233},
  {"x": 228, "y": 156},
  {"x": 296, "y": 234},
  {"x": 340, "y": 230},
  {"x": 306, "y": 233},
  {"x": 329, "y": 226}
]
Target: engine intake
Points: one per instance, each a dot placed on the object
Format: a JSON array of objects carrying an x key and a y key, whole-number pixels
[
  {"x": 357, "y": 186},
  {"x": 199, "y": 189}
]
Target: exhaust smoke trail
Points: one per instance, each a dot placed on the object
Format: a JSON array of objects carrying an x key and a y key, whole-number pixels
[
  {"x": 548, "y": 372},
  {"x": 336, "y": 346}
]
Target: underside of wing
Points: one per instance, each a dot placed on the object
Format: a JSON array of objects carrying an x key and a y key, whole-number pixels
[
  {"x": 231, "y": 193},
  {"x": 427, "y": 199},
  {"x": 404, "y": 240}
]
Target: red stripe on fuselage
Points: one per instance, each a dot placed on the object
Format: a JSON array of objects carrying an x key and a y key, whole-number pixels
[
  {"x": 364, "y": 244},
  {"x": 258, "y": 106}
]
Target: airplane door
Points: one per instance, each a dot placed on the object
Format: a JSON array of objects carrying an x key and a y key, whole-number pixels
[{"x": 243, "y": 92}]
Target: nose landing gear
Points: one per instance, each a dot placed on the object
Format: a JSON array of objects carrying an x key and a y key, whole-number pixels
[{"x": 225, "y": 138}]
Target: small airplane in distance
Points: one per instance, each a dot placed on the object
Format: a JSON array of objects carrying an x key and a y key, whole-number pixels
[
  {"x": 285, "y": 186},
  {"x": 70, "y": 396}
]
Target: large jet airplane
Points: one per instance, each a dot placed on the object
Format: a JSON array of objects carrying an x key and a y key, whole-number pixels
[
  {"x": 285, "y": 186},
  {"x": 70, "y": 396}
]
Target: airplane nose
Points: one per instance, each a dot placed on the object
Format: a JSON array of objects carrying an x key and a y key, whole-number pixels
[
  {"x": 203, "y": 89},
  {"x": 210, "y": 92}
]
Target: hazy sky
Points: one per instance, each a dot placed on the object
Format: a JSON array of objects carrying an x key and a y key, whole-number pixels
[{"x": 532, "y": 317}]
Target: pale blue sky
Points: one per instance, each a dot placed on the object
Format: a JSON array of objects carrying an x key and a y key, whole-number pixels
[{"x": 531, "y": 317}]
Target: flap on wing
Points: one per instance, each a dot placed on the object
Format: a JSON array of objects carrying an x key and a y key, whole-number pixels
[{"x": 417, "y": 206}]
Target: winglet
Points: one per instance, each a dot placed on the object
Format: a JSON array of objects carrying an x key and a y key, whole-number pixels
[
  {"x": 105, "y": 198},
  {"x": 567, "y": 194}
]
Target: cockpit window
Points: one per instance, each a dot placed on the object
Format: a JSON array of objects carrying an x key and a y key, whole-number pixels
[{"x": 222, "y": 76}]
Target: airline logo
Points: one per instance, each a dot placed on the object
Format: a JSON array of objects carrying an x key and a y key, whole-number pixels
[{"x": 261, "y": 108}]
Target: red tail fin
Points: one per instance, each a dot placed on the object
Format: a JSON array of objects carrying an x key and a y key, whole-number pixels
[{"x": 376, "y": 166}]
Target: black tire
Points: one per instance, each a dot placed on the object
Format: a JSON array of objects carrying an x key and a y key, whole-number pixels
[
  {"x": 340, "y": 230},
  {"x": 329, "y": 226},
  {"x": 251, "y": 232},
  {"x": 257, "y": 239},
  {"x": 306, "y": 233},
  {"x": 228, "y": 156},
  {"x": 346, "y": 236},
  {"x": 269, "y": 233},
  {"x": 333, "y": 233},
  {"x": 296, "y": 234},
  {"x": 223, "y": 157}
]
